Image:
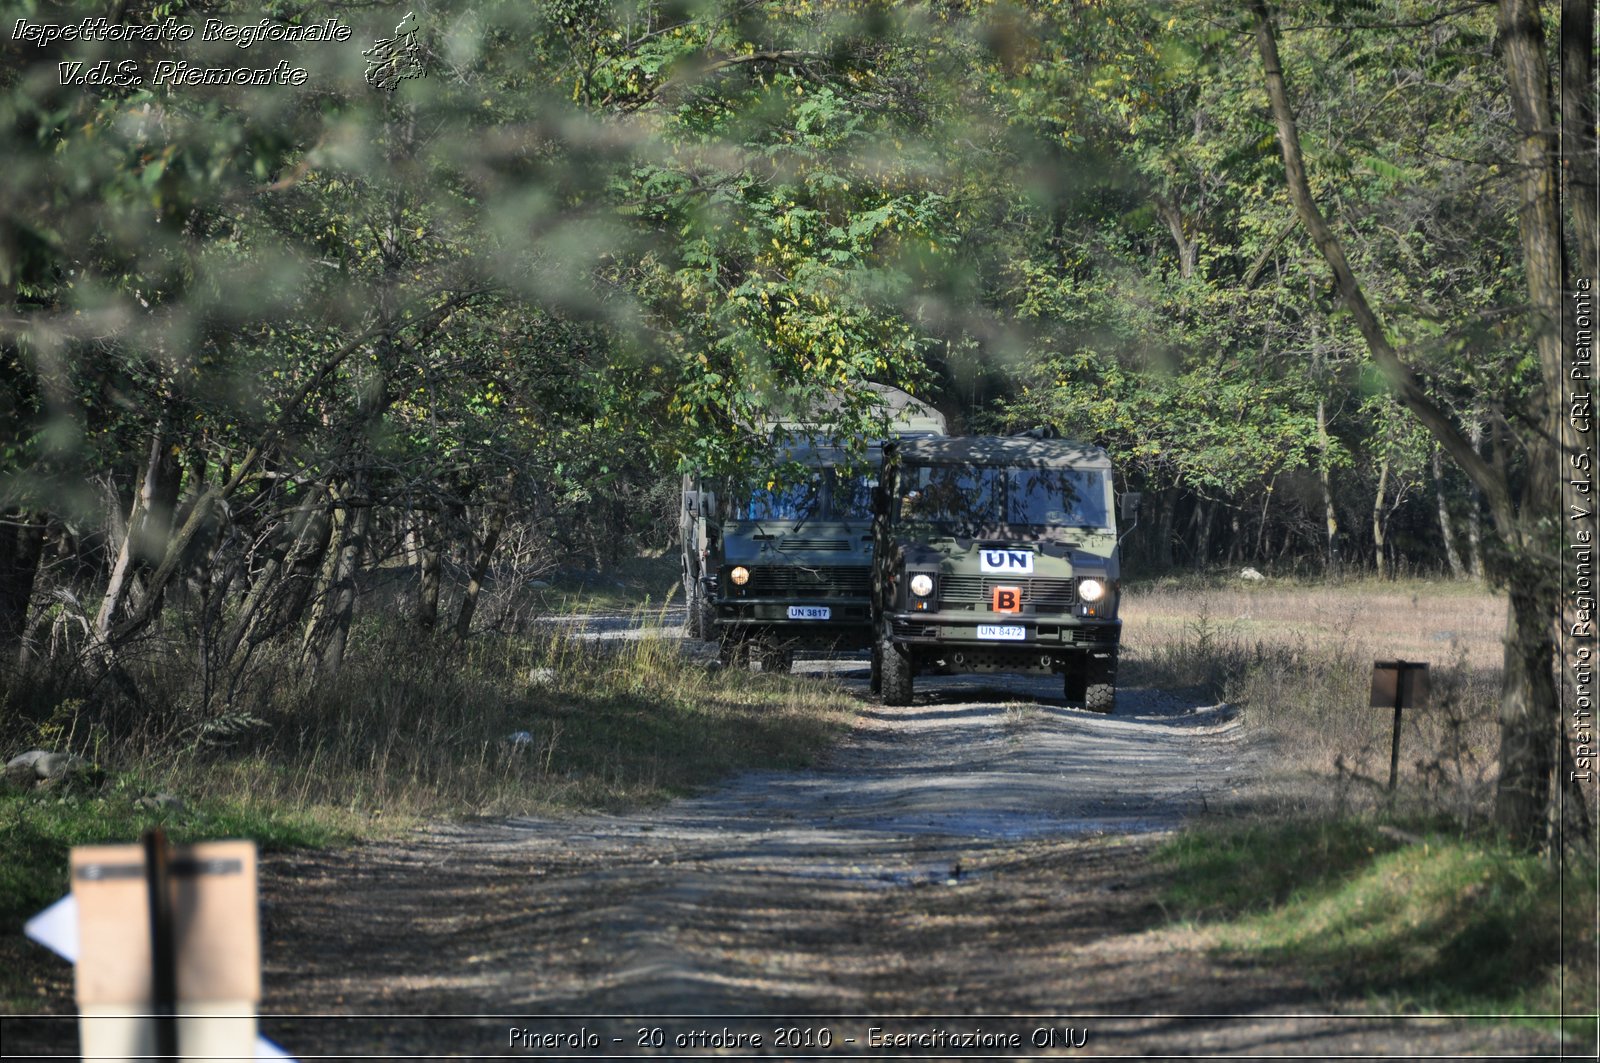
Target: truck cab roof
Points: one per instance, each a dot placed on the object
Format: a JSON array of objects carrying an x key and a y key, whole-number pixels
[{"x": 1014, "y": 451}]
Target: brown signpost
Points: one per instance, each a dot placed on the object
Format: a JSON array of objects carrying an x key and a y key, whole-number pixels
[
  {"x": 1398, "y": 685},
  {"x": 169, "y": 960}
]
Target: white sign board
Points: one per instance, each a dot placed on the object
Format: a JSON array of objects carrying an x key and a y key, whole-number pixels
[
  {"x": 111, "y": 949},
  {"x": 1007, "y": 562}
]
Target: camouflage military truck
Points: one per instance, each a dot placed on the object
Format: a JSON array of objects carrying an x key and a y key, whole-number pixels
[
  {"x": 771, "y": 570},
  {"x": 996, "y": 554}
]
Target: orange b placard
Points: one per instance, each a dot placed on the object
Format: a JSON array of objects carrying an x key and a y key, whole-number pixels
[{"x": 1008, "y": 599}]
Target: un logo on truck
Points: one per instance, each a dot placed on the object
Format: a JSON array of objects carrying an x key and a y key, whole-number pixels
[{"x": 1007, "y": 561}]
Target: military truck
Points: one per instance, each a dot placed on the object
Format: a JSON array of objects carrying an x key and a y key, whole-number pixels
[
  {"x": 769, "y": 569},
  {"x": 996, "y": 554}
]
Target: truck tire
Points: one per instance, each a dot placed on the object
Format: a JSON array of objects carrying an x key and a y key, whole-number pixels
[
  {"x": 694, "y": 619},
  {"x": 1100, "y": 686},
  {"x": 894, "y": 673}
]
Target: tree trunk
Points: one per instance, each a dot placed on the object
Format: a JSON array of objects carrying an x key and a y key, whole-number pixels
[
  {"x": 149, "y": 530},
  {"x": 329, "y": 630},
  {"x": 1530, "y": 721},
  {"x": 1377, "y": 518},
  {"x": 282, "y": 582},
  {"x": 1163, "y": 533},
  {"x": 1579, "y": 167},
  {"x": 1261, "y": 532},
  {"x": 429, "y": 570},
  {"x": 1330, "y": 515},
  {"x": 1452, "y": 555},
  {"x": 480, "y": 568},
  {"x": 1578, "y": 136},
  {"x": 21, "y": 546},
  {"x": 153, "y": 530},
  {"x": 1202, "y": 532},
  {"x": 1188, "y": 250},
  {"x": 1475, "y": 509}
]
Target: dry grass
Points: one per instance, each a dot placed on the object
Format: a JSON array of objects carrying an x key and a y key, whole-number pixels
[
  {"x": 418, "y": 727},
  {"x": 1415, "y": 620},
  {"x": 1298, "y": 659},
  {"x": 414, "y": 728}
]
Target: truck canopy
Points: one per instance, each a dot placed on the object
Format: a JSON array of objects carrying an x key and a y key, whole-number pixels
[
  {"x": 908, "y": 416},
  {"x": 1014, "y": 451}
]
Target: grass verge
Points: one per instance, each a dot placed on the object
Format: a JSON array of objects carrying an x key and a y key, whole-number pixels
[
  {"x": 1316, "y": 866},
  {"x": 38, "y": 829},
  {"x": 1421, "y": 923}
]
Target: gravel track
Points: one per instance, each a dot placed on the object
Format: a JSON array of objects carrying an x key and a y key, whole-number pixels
[{"x": 981, "y": 855}]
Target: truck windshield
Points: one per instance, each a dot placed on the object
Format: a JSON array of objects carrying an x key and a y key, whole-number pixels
[
  {"x": 852, "y": 497},
  {"x": 826, "y": 496},
  {"x": 986, "y": 494},
  {"x": 790, "y": 502}
]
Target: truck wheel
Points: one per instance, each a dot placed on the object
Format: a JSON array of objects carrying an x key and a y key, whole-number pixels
[
  {"x": 894, "y": 673},
  {"x": 1100, "y": 688},
  {"x": 694, "y": 618},
  {"x": 776, "y": 656}
]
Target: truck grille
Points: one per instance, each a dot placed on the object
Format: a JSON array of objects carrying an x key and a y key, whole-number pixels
[
  {"x": 795, "y": 582},
  {"x": 791, "y": 543},
  {"x": 1044, "y": 593}
]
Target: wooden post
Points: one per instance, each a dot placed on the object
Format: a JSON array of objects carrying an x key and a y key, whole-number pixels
[
  {"x": 1398, "y": 685},
  {"x": 163, "y": 952},
  {"x": 1394, "y": 743}
]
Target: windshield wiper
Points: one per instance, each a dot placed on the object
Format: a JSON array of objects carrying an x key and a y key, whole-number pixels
[{"x": 809, "y": 513}]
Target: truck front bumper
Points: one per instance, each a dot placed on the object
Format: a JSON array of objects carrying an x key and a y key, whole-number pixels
[
  {"x": 847, "y": 624},
  {"x": 990, "y": 643}
]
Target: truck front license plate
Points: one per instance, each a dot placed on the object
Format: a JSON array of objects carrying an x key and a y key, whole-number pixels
[
  {"x": 810, "y": 612},
  {"x": 1002, "y": 631}
]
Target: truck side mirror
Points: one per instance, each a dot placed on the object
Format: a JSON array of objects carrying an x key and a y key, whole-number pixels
[{"x": 1130, "y": 504}]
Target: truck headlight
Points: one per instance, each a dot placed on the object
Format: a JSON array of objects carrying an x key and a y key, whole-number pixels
[
  {"x": 1091, "y": 590},
  {"x": 740, "y": 575},
  {"x": 922, "y": 584}
]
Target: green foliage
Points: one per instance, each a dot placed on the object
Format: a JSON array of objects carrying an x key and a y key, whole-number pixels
[
  {"x": 1181, "y": 318},
  {"x": 600, "y": 240}
]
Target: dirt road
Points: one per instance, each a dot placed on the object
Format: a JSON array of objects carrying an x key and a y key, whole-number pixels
[{"x": 980, "y": 855}]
